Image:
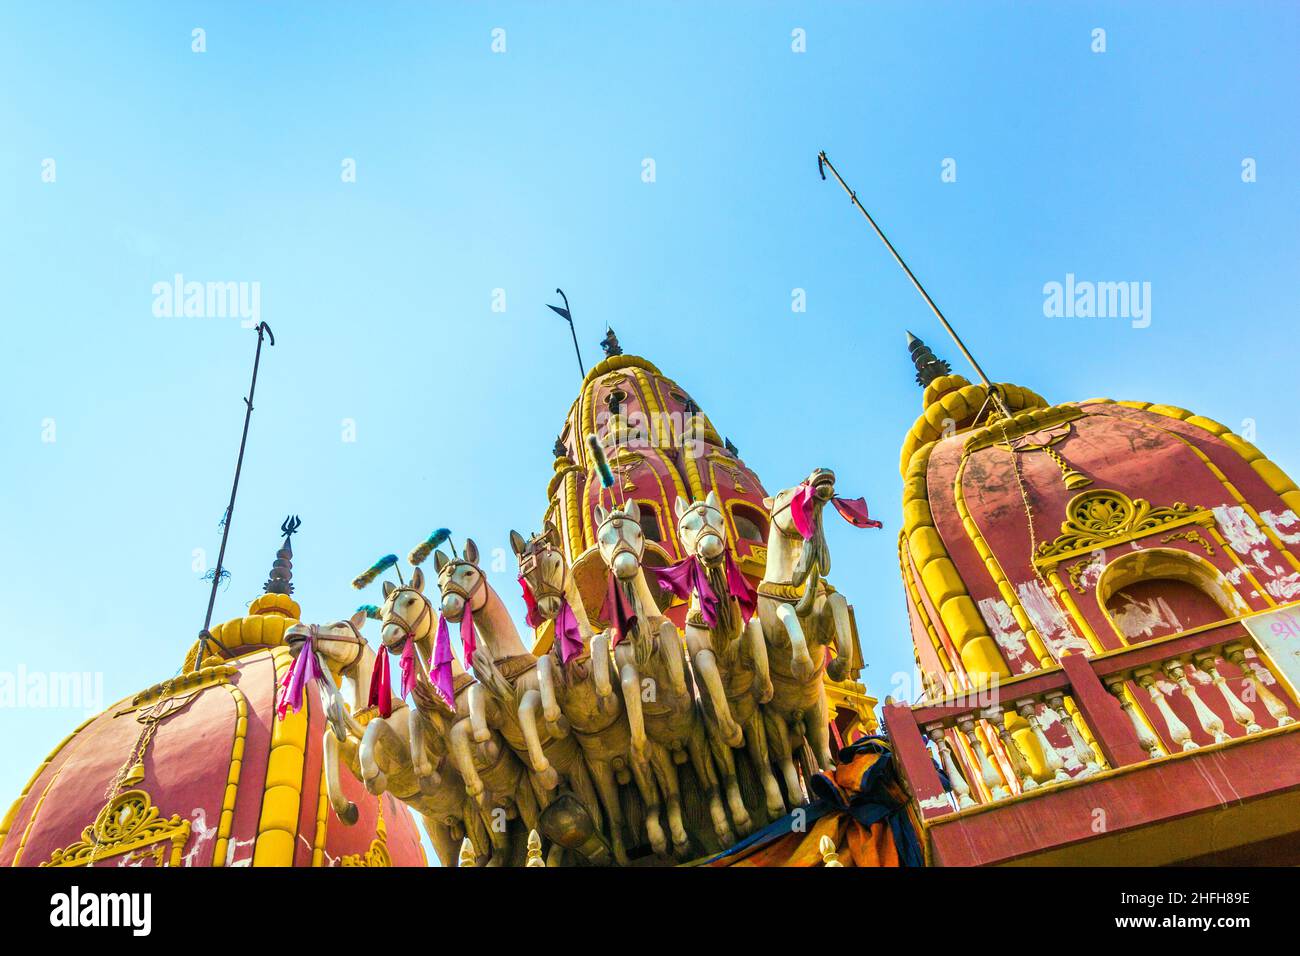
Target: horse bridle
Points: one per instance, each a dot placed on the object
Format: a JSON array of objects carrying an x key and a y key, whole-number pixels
[
  {"x": 392, "y": 617},
  {"x": 709, "y": 525},
  {"x": 531, "y": 560},
  {"x": 622, "y": 547},
  {"x": 451, "y": 587},
  {"x": 313, "y": 634}
]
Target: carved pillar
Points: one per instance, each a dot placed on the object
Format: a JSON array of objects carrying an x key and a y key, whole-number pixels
[
  {"x": 1056, "y": 701},
  {"x": 1052, "y": 759},
  {"x": 1019, "y": 763},
  {"x": 1178, "y": 731},
  {"x": 1236, "y": 653},
  {"x": 1149, "y": 741},
  {"x": 993, "y": 781},
  {"x": 1211, "y": 723},
  {"x": 949, "y": 764},
  {"x": 1242, "y": 714}
]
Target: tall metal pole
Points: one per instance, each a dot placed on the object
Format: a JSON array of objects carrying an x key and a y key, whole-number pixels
[
  {"x": 824, "y": 161},
  {"x": 565, "y": 314},
  {"x": 205, "y": 635}
]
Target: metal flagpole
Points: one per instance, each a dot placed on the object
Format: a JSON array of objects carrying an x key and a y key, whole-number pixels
[
  {"x": 824, "y": 161},
  {"x": 205, "y": 635},
  {"x": 567, "y": 316}
]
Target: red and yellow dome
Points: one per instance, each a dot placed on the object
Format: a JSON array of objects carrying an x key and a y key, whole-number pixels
[{"x": 197, "y": 771}]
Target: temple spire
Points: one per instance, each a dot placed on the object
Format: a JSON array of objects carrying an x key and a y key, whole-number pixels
[
  {"x": 281, "y": 578},
  {"x": 928, "y": 366}
]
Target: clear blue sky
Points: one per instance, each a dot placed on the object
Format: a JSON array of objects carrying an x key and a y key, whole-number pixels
[{"x": 522, "y": 171}]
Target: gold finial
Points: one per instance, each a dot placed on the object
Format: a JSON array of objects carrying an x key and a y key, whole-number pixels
[
  {"x": 534, "y": 849},
  {"x": 826, "y": 846},
  {"x": 467, "y": 857}
]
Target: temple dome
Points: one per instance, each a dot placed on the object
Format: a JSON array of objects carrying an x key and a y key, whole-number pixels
[{"x": 197, "y": 771}]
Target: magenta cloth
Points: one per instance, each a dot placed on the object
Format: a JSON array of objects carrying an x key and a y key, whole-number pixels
[
  {"x": 406, "y": 663},
  {"x": 687, "y": 576},
  {"x": 292, "y": 688},
  {"x": 738, "y": 587},
  {"x": 852, "y": 510},
  {"x": 568, "y": 636},
  {"x": 381, "y": 685},
  {"x": 801, "y": 510},
  {"x": 442, "y": 676},
  {"x": 534, "y": 616},
  {"x": 617, "y": 610}
]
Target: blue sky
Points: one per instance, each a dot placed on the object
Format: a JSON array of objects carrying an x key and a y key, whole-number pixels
[{"x": 521, "y": 171}]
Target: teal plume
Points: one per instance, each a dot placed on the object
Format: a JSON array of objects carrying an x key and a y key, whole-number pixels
[
  {"x": 372, "y": 612},
  {"x": 602, "y": 463},
  {"x": 427, "y": 546},
  {"x": 372, "y": 572}
]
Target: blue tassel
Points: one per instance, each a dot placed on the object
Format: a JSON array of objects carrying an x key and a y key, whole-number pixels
[
  {"x": 372, "y": 612},
  {"x": 602, "y": 463},
  {"x": 376, "y": 569},
  {"x": 426, "y": 547}
]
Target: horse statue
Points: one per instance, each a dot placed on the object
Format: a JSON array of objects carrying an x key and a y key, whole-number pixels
[
  {"x": 801, "y": 615},
  {"x": 507, "y": 693},
  {"x": 439, "y": 729},
  {"x": 372, "y": 747},
  {"x": 727, "y": 650},
  {"x": 575, "y": 681},
  {"x": 658, "y": 691}
]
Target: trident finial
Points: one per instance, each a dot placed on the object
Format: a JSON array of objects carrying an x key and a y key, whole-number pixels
[{"x": 281, "y": 578}]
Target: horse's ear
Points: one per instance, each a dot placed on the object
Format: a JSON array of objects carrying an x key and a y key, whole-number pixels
[
  {"x": 599, "y": 515},
  {"x": 359, "y": 619},
  {"x": 680, "y": 505},
  {"x": 440, "y": 561},
  {"x": 471, "y": 551},
  {"x": 517, "y": 543},
  {"x": 768, "y": 503},
  {"x": 711, "y": 499},
  {"x": 633, "y": 511},
  {"x": 417, "y": 580},
  {"x": 553, "y": 531},
  {"x": 389, "y": 588}
]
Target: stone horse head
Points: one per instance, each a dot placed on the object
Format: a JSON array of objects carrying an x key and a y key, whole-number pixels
[{"x": 543, "y": 568}]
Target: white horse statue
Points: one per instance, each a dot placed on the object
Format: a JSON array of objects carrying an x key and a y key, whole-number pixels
[
  {"x": 507, "y": 694},
  {"x": 372, "y": 747},
  {"x": 657, "y": 688},
  {"x": 439, "y": 731},
  {"x": 727, "y": 652},
  {"x": 801, "y": 615},
  {"x": 575, "y": 681}
]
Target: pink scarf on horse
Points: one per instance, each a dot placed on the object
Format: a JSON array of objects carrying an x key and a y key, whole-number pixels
[
  {"x": 441, "y": 677},
  {"x": 688, "y": 575},
  {"x": 381, "y": 682},
  {"x": 852, "y": 510},
  {"x": 568, "y": 636},
  {"x": 293, "y": 685},
  {"x": 618, "y": 610}
]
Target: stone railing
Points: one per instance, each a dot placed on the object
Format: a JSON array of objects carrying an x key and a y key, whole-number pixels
[{"x": 1086, "y": 716}]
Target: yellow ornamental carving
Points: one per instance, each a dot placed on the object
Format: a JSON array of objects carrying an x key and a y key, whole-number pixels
[
  {"x": 128, "y": 823},
  {"x": 377, "y": 855},
  {"x": 1096, "y": 519}
]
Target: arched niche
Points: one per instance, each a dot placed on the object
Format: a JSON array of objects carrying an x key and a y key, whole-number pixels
[{"x": 1156, "y": 592}]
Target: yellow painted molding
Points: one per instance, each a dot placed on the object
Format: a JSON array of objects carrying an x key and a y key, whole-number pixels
[{"x": 227, "y": 818}]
